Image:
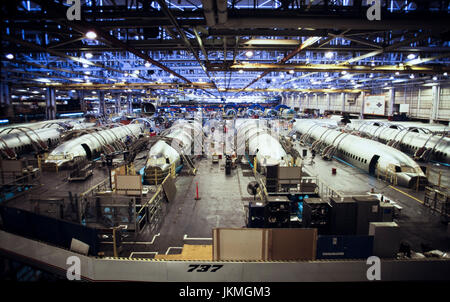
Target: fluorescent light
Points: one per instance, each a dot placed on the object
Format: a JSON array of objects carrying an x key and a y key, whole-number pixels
[
  {"x": 411, "y": 76},
  {"x": 85, "y": 65},
  {"x": 291, "y": 71},
  {"x": 88, "y": 55},
  {"x": 148, "y": 64},
  {"x": 10, "y": 56},
  {"x": 44, "y": 80},
  {"x": 329, "y": 55},
  {"x": 249, "y": 54},
  {"x": 435, "y": 78},
  {"x": 344, "y": 72},
  {"x": 240, "y": 71},
  {"x": 87, "y": 72},
  {"x": 397, "y": 73},
  {"x": 411, "y": 56},
  {"x": 91, "y": 35}
]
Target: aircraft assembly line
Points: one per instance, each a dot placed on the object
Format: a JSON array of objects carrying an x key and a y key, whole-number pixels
[
  {"x": 184, "y": 152},
  {"x": 225, "y": 141}
]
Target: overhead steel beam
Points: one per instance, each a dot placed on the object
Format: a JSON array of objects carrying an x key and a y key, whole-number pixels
[
  {"x": 222, "y": 11},
  {"x": 180, "y": 31},
  {"x": 406, "y": 69},
  {"x": 59, "y": 54},
  {"x": 36, "y": 74},
  {"x": 121, "y": 86},
  {"x": 310, "y": 41},
  {"x": 324, "y": 90},
  {"x": 56, "y": 69},
  {"x": 208, "y": 11},
  {"x": 83, "y": 27},
  {"x": 239, "y": 21}
]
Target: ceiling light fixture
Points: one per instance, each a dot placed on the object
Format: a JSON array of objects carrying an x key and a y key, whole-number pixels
[
  {"x": 91, "y": 35},
  {"x": 10, "y": 56},
  {"x": 148, "y": 64},
  {"x": 411, "y": 56},
  {"x": 329, "y": 55},
  {"x": 249, "y": 54},
  {"x": 88, "y": 55}
]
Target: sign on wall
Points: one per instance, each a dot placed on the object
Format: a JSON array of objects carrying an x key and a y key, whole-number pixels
[
  {"x": 374, "y": 104},
  {"x": 404, "y": 108}
]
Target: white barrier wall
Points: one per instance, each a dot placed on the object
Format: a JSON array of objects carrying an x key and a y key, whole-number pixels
[{"x": 54, "y": 259}]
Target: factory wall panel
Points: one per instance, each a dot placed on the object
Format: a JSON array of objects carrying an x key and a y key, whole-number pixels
[
  {"x": 444, "y": 104},
  {"x": 419, "y": 99},
  {"x": 426, "y": 100}
]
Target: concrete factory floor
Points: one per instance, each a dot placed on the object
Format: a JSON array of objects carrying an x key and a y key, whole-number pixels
[
  {"x": 418, "y": 224},
  {"x": 224, "y": 197},
  {"x": 190, "y": 221}
]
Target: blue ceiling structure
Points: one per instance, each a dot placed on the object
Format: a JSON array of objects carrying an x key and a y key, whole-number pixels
[{"x": 237, "y": 50}]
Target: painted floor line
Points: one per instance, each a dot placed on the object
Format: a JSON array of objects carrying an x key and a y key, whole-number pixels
[{"x": 406, "y": 194}]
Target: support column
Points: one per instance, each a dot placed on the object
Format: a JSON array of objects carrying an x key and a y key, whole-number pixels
[
  {"x": 343, "y": 102},
  {"x": 307, "y": 101},
  {"x": 50, "y": 104},
  {"x": 317, "y": 110},
  {"x": 129, "y": 103},
  {"x": 82, "y": 101},
  {"x": 391, "y": 101},
  {"x": 436, "y": 99},
  {"x": 363, "y": 97},
  {"x": 6, "y": 100},
  {"x": 2, "y": 96},
  {"x": 328, "y": 102},
  {"x": 418, "y": 102},
  {"x": 101, "y": 103},
  {"x": 117, "y": 98}
]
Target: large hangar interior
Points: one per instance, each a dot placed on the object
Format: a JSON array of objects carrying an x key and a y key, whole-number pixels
[{"x": 224, "y": 141}]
